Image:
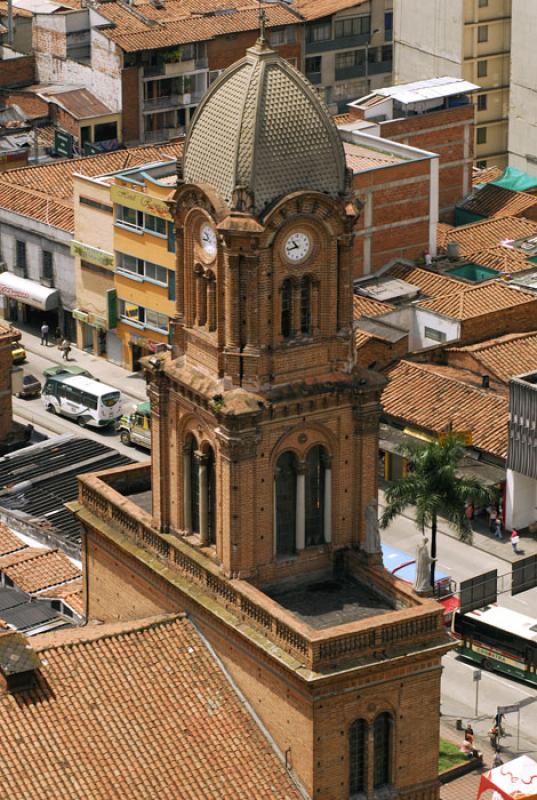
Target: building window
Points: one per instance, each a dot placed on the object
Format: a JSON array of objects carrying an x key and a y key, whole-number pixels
[
  {"x": 352, "y": 26},
  {"x": 194, "y": 498},
  {"x": 483, "y": 33},
  {"x": 382, "y": 739},
  {"x": 20, "y": 254},
  {"x": 482, "y": 69},
  {"x": 210, "y": 466},
  {"x": 88, "y": 201},
  {"x": 387, "y": 52},
  {"x": 358, "y": 757},
  {"x": 320, "y": 32},
  {"x": 276, "y": 36},
  {"x": 145, "y": 270},
  {"x": 285, "y": 488},
  {"x": 315, "y": 496},
  {"x": 158, "y": 322},
  {"x": 481, "y": 164},
  {"x": 47, "y": 271},
  {"x": 481, "y": 102},
  {"x": 305, "y": 306},
  {"x": 388, "y": 21},
  {"x": 483, "y": 3},
  {"x": 130, "y": 217},
  {"x": 351, "y": 58},
  {"x": 287, "y": 309},
  {"x": 432, "y": 333},
  {"x": 155, "y": 224},
  {"x": 481, "y": 136},
  {"x": 313, "y": 66}
]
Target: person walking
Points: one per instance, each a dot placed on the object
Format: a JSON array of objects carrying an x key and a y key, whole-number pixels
[
  {"x": 44, "y": 334},
  {"x": 515, "y": 538},
  {"x": 497, "y": 760},
  {"x": 498, "y": 529},
  {"x": 66, "y": 349}
]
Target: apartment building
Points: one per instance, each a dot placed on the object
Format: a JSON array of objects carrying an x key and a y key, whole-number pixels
[
  {"x": 469, "y": 39},
  {"x": 523, "y": 97}
]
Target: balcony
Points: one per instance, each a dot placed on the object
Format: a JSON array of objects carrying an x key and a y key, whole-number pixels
[
  {"x": 163, "y": 134},
  {"x": 378, "y": 67},
  {"x": 154, "y": 70},
  {"x": 314, "y": 77},
  {"x": 170, "y": 101},
  {"x": 310, "y": 632},
  {"x": 358, "y": 71},
  {"x": 341, "y": 43}
]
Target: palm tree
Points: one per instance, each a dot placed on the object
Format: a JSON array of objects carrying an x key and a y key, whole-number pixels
[{"x": 433, "y": 486}]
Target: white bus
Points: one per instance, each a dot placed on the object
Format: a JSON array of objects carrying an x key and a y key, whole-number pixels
[
  {"x": 499, "y": 639},
  {"x": 87, "y": 401}
]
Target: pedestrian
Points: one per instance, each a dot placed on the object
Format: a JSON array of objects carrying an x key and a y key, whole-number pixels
[
  {"x": 515, "y": 538},
  {"x": 58, "y": 336},
  {"x": 493, "y": 733},
  {"x": 469, "y": 734},
  {"x": 66, "y": 349},
  {"x": 493, "y": 516},
  {"x": 496, "y": 760},
  {"x": 44, "y": 334},
  {"x": 469, "y": 511},
  {"x": 498, "y": 529},
  {"x": 498, "y": 719}
]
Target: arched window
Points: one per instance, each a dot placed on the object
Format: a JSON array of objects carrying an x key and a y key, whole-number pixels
[
  {"x": 287, "y": 309},
  {"x": 305, "y": 305},
  {"x": 286, "y": 471},
  {"x": 315, "y": 496},
  {"x": 357, "y": 757},
  {"x": 382, "y": 736},
  {"x": 211, "y": 496},
  {"x": 194, "y": 486}
]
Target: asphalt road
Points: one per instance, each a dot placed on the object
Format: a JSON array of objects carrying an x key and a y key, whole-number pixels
[
  {"x": 33, "y": 411},
  {"x": 463, "y": 561}
]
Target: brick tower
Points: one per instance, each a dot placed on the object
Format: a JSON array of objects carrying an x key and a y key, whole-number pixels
[{"x": 263, "y": 480}]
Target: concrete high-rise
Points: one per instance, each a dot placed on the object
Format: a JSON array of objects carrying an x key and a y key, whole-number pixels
[
  {"x": 468, "y": 39},
  {"x": 523, "y": 97}
]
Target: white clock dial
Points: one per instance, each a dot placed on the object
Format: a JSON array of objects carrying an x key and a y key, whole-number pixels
[
  {"x": 297, "y": 246},
  {"x": 208, "y": 240}
]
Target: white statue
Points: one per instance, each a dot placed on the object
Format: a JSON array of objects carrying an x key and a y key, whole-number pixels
[
  {"x": 422, "y": 584},
  {"x": 372, "y": 536}
]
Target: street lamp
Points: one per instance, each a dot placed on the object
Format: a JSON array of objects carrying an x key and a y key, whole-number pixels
[{"x": 372, "y": 33}]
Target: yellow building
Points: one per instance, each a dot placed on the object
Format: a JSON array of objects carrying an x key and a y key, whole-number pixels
[
  {"x": 125, "y": 304},
  {"x": 469, "y": 39}
]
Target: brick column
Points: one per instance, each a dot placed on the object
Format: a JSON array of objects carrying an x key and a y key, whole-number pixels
[
  {"x": 344, "y": 288},
  {"x": 203, "y": 500},
  {"x": 315, "y": 318},
  {"x": 366, "y": 437},
  {"x": 211, "y": 304},
  {"x": 252, "y": 305},
  {"x": 232, "y": 305},
  {"x": 296, "y": 309},
  {"x": 187, "y": 490},
  {"x": 327, "y": 505},
  {"x": 301, "y": 506}
]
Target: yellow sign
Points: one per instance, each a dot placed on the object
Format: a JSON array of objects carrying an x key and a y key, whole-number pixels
[
  {"x": 140, "y": 202},
  {"x": 465, "y": 437},
  {"x": 92, "y": 254}
]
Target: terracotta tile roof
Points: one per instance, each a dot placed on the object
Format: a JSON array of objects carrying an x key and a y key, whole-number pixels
[
  {"x": 177, "y": 22},
  {"x": 314, "y": 9},
  {"x": 503, "y": 259},
  {"x": 430, "y": 283},
  {"x": 432, "y": 397},
  {"x": 45, "y": 192},
  {"x": 486, "y": 175},
  {"x": 442, "y": 230},
  {"x": 369, "y": 307},
  {"x": 134, "y": 710},
  {"x": 505, "y": 356},
  {"x": 34, "y": 569},
  {"x": 343, "y": 119},
  {"x": 476, "y": 301},
  {"x": 480, "y": 236},
  {"x": 71, "y": 593},
  {"x": 9, "y": 543},
  {"x": 360, "y": 158},
  {"x": 361, "y": 338},
  {"x": 495, "y": 201}
]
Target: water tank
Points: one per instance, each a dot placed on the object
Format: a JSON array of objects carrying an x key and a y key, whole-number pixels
[{"x": 453, "y": 251}]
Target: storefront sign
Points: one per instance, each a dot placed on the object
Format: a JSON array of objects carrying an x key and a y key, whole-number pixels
[
  {"x": 97, "y": 321},
  {"x": 28, "y": 292},
  {"x": 92, "y": 254},
  {"x": 81, "y": 316},
  {"x": 63, "y": 143},
  {"x": 465, "y": 437},
  {"x": 140, "y": 202}
]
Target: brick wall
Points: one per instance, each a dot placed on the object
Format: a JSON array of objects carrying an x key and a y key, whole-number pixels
[
  {"x": 511, "y": 320},
  {"x": 225, "y": 50},
  {"x": 131, "y": 104},
  {"x": 378, "y": 353},
  {"x": 17, "y": 71},
  {"x": 7, "y": 335},
  {"x": 66, "y": 121},
  {"x": 27, "y": 102}
]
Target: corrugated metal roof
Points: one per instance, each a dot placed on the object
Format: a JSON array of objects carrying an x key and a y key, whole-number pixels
[{"x": 427, "y": 90}]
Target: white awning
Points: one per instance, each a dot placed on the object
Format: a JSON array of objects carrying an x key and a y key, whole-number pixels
[{"x": 29, "y": 292}]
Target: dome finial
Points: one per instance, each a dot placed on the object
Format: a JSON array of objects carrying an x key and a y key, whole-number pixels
[{"x": 262, "y": 40}]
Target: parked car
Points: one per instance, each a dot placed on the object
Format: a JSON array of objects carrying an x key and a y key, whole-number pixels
[
  {"x": 31, "y": 387},
  {"x": 18, "y": 352},
  {"x": 49, "y": 372},
  {"x": 135, "y": 427}
]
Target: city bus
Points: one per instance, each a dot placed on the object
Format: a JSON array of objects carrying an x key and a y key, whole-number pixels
[
  {"x": 499, "y": 640},
  {"x": 87, "y": 401}
]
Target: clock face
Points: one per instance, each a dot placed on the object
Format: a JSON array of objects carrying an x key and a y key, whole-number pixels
[
  {"x": 297, "y": 247},
  {"x": 208, "y": 240}
]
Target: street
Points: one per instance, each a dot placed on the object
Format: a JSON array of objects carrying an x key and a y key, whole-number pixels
[
  {"x": 32, "y": 410},
  {"x": 458, "y": 688}
]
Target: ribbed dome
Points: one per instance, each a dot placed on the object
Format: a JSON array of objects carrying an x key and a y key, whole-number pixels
[{"x": 262, "y": 127}]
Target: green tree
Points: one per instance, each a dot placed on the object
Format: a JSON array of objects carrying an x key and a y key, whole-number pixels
[{"x": 434, "y": 488}]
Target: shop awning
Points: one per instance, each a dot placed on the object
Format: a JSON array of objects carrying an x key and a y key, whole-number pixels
[
  {"x": 516, "y": 779},
  {"x": 28, "y": 292}
]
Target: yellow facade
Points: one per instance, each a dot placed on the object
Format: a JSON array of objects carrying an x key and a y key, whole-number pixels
[
  {"x": 144, "y": 259},
  {"x": 487, "y": 62}
]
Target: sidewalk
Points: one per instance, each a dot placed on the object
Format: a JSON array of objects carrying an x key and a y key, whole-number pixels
[
  {"x": 131, "y": 384},
  {"x": 481, "y": 539}
]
